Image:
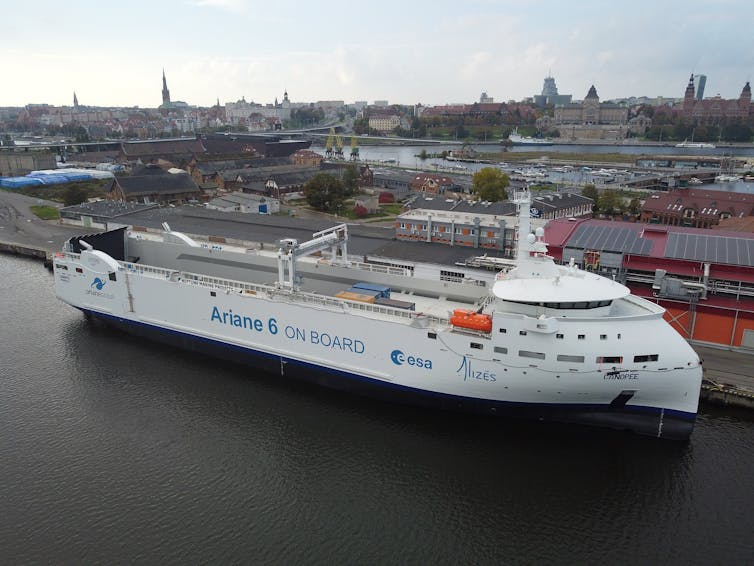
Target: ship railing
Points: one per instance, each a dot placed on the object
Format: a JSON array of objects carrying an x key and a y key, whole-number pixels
[
  {"x": 67, "y": 255},
  {"x": 194, "y": 278},
  {"x": 376, "y": 268},
  {"x": 311, "y": 298},
  {"x": 487, "y": 301},
  {"x": 266, "y": 290}
]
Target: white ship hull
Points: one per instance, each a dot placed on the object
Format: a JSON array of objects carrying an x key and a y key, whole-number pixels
[
  {"x": 517, "y": 139},
  {"x": 515, "y": 369}
]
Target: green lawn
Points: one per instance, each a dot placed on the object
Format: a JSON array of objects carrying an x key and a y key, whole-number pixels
[{"x": 45, "y": 212}]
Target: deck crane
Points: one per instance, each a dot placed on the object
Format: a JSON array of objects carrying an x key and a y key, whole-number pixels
[{"x": 335, "y": 238}]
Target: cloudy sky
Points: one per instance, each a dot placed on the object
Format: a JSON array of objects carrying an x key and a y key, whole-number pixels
[{"x": 433, "y": 52}]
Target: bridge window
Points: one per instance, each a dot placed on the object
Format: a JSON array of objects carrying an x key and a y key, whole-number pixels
[
  {"x": 559, "y": 336},
  {"x": 582, "y": 336},
  {"x": 476, "y": 346},
  {"x": 528, "y": 354},
  {"x": 501, "y": 350},
  {"x": 432, "y": 335},
  {"x": 569, "y": 358},
  {"x": 609, "y": 359},
  {"x": 646, "y": 358},
  {"x": 603, "y": 336},
  {"x": 567, "y": 306},
  {"x": 522, "y": 332},
  {"x": 503, "y": 331}
]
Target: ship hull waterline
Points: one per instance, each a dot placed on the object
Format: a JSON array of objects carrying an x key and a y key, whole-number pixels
[{"x": 647, "y": 421}]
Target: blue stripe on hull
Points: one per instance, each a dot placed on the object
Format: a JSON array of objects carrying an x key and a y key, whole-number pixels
[{"x": 665, "y": 423}]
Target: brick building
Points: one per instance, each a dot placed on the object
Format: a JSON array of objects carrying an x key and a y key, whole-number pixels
[
  {"x": 711, "y": 110},
  {"x": 433, "y": 184},
  {"x": 698, "y": 208},
  {"x": 489, "y": 225}
]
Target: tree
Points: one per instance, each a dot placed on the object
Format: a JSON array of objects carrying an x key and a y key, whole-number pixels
[
  {"x": 489, "y": 183},
  {"x": 74, "y": 195},
  {"x": 737, "y": 132},
  {"x": 351, "y": 179},
  {"x": 590, "y": 191},
  {"x": 610, "y": 202},
  {"x": 81, "y": 134},
  {"x": 324, "y": 192}
]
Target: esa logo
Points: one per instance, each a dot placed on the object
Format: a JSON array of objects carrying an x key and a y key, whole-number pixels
[{"x": 399, "y": 358}]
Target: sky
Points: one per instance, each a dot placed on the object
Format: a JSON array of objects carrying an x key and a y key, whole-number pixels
[{"x": 406, "y": 52}]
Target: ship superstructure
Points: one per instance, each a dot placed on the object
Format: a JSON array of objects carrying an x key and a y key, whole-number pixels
[{"x": 540, "y": 340}]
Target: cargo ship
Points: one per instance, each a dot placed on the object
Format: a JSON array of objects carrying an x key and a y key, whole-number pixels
[{"x": 538, "y": 340}]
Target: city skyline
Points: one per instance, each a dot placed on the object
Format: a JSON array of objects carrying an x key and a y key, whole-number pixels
[{"x": 430, "y": 53}]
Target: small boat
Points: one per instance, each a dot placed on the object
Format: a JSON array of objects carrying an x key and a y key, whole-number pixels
[
  {"x": 472, "y": 320},
  {"x": 727, "y": 178},
  {"x": 517, "y": 139},
  {"x": 695, "y": 145}
]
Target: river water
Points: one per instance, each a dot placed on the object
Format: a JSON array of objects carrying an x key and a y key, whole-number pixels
[
  {"x": 408, "y": 157},
  {"x": 114, "y": 449}
]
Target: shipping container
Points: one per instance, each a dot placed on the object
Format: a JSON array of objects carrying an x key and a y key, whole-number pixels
[
  {"x": 356, "y": 297},
  {"x": 383, "y": 291}
]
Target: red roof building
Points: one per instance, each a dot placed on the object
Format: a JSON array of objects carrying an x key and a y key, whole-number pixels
[
  {"x": 699, "y": 208},
  {"x": 431, "y": 183}
]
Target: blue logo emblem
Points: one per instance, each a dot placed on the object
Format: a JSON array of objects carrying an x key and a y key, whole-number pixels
[
  {"x": 98, "y": 283},
  {"x": 399, "y": 358}
]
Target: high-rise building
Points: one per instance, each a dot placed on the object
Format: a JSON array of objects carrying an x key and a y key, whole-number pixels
[
  {"x": 550, "y": 94},
  {"x": 699, "y": 82},
  {"x": 549, "y": 88}
]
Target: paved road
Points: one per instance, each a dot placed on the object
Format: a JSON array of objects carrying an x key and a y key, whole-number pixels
[
  {"x": 728, "y": 367},
  {"x": 19, "y": 225}
]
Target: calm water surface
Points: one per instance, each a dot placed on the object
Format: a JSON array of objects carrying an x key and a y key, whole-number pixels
[{"x": 113, "y": 449}]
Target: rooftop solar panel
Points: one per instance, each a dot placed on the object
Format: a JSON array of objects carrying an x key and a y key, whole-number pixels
[
  {"x": 609, "y": 238},
  {"x": 716, "y": 249}
]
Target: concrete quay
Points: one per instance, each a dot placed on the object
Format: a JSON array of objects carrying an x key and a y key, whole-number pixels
[{"x": 728, "y": 374}]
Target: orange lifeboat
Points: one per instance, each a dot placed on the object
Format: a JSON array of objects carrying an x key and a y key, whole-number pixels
[{"x": 471, "y": 319}]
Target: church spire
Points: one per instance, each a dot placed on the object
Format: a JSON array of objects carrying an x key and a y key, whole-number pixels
[
  {"x": 165, "y": 91},
  {"x": 688, "y": 97},
  {"x": 75, "y": 100}
]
